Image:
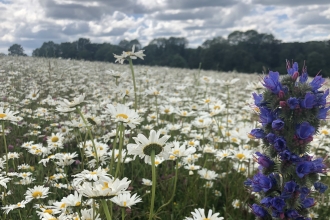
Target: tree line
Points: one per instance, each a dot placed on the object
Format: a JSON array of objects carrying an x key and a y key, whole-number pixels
[{"x": 247, "y": 52}]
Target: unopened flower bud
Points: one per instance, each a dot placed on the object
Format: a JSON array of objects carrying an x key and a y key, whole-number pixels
[
  {"x": 281, "y": 94},
  {"x": 295, "y": 76},
  {"x": 191, "y": 172},
  {"x": 283, "y": 104}
]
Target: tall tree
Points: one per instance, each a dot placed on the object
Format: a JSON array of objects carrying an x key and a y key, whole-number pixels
[{"x": 16, "y": 50}]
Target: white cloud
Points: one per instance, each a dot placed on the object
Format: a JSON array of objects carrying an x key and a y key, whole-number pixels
[{"x": 32, "y": 22}]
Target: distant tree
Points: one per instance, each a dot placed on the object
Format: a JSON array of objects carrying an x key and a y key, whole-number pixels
[
  {"x": 16, "y": 50},
  {"x": 48, "y": 49}
]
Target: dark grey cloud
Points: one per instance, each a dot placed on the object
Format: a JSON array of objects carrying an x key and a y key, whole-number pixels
[
  {"x": 189, "y": 4},
  {"x": 203, "y": 13},
  {"x": 78, "y": 11},
  {"x": 115, "y": 32},
  {"x": 71, "y": 11},
  {"x": 290, "y": 2},
  {"x": 76, "y": 28},
  {"x": 312, "y": 18}
]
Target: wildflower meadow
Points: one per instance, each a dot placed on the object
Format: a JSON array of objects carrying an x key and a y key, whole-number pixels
[{"x": 99, "y": 141}]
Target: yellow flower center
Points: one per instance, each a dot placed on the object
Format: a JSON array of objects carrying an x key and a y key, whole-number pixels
[
  {"x": 124, "y": 204},
  {"x": 94, "y": 172},
  {"x": 207, "y": 101},
  {"x": 257, "y": 110},
  {"x": 167, "y": 111},
  {"x": 251, "y": 136},
  {"x": 201, "y": 120},
  {"x": 234, "y": 140},
  {"x": 216, "y": 107},
  {"x": 49, "y": 211},
  {"x": 325, "y": 132},
  {"x": 63, "y": 206},
  {"x": 122, "y": 116},
  {"x": 191, "y": 143},
  {"x": 176, "y": 152},
  {"x": 77, "y": 203},
  {"x": 36, "y": 194},
  {"x": 54, "y": 139},
  {"x": 19, "y": 204},
  {"x": 2, "y": 115},
  {"x": 34, "y": 95},
  {"x": 105, "y": 185},
  {"x": 240, "y": 156}
]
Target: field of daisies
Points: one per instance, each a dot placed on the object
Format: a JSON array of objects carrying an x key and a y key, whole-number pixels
[{"x": 90, "y": 140}]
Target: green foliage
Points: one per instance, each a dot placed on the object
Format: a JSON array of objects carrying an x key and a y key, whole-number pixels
[
  {"x": 16, "y": 50},
  {"x": 247, "y": 52}
]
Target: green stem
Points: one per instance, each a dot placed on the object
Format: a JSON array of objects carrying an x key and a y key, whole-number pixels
[
  {"x": 121, "y": 139},
  {"x": 133, "y": 76},
  {"x": 174, "y": 187},
  {"x": 153, "y": 189},
  {"x": 90, "y": 135},
  {"x": 122, "y": 213},
  {"x": 20, "y": 216},
  {"x": 106, "y": 209},
  {"x": 114, "y": 143},
  {"x": 205, "y": 198},
  {"x": 5, "y": 143}
]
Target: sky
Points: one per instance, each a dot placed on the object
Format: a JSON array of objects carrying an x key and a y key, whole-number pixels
[{"x": 32, "y": 22}]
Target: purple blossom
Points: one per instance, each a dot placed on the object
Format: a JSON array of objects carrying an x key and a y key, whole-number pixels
[
  {"x": 304, "y": 130},
  {"x": 320, "y": 187},
  {"x": 293, "y": 102},
  {"x": 259, "y": 211},
  {"x": 317, "y": 83},
  {"x": 278, "y": 203},
  {"x": 272, "y": 83},
  {"x": 304, "y": 76},
  {"x": 257, "y": 99},
  {"x": 277, "y": 124},
  {"x": 292, "y": 213},
  {"x": 289, "y": 189},
  {"x": 261, "y": 182},
  {"x": 293, "y": 69},
  {"x": 257, "y": 133},
  {"x": 271, "y": 138},
  {"x": 308, "y": 102},
  {"x": 307, "y": 167},
  {"x": 280, "y": 144},
  {"x": 321, "y": 98},
  {"x": 323, "y": 113},
  {"x": 308, "y": 202},
  {"x": 264, "y": 161},
  {"x": 266, "y": 116}
]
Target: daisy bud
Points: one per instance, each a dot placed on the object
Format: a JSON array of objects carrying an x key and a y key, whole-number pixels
[{"x": 191, "y": 172}]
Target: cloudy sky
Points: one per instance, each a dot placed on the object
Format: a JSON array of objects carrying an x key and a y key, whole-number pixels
[{"x": 32, "y": 22}]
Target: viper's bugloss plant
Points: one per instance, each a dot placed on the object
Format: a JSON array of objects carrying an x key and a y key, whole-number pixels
[{"x": 290, "y": 112}]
